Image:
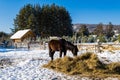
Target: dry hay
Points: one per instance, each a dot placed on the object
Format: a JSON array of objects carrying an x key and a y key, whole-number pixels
[
  {"x": 110, "y": 48},
  {"x": 114, "y": 67},
  {"x": 85, "y": 64}
]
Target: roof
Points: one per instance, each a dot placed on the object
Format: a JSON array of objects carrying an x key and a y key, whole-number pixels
[{"x": 19, "y": 34}]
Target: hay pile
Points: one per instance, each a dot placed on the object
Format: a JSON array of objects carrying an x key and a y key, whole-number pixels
[
  {"x": 111, "y": 48},
  {"x": 86, "y": 64}
]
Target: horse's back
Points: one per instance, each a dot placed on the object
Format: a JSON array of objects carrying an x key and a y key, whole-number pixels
[{"x": 54, "y": 45}]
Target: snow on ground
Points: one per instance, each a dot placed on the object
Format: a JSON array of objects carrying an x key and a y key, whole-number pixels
[{"x": 27, "y": 64}]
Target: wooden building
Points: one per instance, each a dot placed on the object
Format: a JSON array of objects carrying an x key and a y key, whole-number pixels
[{"x": 22, "y": 37}]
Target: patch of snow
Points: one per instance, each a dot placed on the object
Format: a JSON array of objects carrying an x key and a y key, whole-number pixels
[{"x": 27, "y": 65}]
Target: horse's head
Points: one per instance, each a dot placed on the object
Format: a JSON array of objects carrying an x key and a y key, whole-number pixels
[{"x": 75, "y": 50}]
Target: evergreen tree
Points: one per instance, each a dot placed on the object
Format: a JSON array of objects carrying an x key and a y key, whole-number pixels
[
  {"x": 28, "y": 18},
  {"x": 46, "y": 21},
  {"x": 99, "y": 30},
  {"x": 37, "y": 18},
  {"x": 83, "y": 31},
  {"x": 109, "y": 30},
  {"x": 56, "y": 21},
  {"x": 22, "y": 19}
]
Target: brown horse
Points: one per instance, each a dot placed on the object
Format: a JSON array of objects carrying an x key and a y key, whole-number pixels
[{"x": 61, "y": 45}]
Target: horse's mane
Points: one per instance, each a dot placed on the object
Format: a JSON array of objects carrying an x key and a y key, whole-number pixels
[{"x": 69, "y": 45}]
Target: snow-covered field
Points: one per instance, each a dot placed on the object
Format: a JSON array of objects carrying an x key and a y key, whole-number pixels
[{"x": 27, "y": 64}]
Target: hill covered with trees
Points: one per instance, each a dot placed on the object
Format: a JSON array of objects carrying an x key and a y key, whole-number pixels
[{"x": 92, "y": 32}]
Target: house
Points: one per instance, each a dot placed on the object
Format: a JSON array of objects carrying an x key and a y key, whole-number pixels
[{"x": 22, "y": 36}]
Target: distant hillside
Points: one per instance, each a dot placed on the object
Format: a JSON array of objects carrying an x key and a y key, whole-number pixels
[{"x": 91, "y": 27}]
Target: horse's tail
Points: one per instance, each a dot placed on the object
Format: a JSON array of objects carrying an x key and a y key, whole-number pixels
[{"x": 49, "y": 49}]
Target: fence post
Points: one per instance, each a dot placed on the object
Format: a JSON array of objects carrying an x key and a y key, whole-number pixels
[
  {"x": 98, "y": 45},
  {"x": 28, "y": 44},
  {"x": 15, "y": 45},
  {"x": 44, "y": 46}
]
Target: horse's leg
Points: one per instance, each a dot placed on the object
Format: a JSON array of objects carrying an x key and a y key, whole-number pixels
[
  {"x": 65, "y": 52},
  {"x": 60, "y": 53},
  {"x": 52, "y": 54}
]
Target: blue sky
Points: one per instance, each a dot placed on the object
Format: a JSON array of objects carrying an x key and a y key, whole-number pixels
[{"x": 81, "y": 11}]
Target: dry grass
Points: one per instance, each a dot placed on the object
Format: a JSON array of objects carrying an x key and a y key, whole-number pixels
[
  {"x": 114, "y": 68},
  {"x": 86, "y": 64},
  {"x": 110, "y": 48}
]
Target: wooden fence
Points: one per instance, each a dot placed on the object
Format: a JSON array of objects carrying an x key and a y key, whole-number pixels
[{"x": 95, "y": 47}]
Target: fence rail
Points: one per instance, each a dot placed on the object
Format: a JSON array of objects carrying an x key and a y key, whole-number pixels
[{"x": 95, "y": 47}]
